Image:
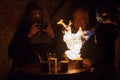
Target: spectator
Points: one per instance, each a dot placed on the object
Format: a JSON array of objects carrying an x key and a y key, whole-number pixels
[
  {"x": 32, "y": 36},
  {"x": 99, "y": 50}
]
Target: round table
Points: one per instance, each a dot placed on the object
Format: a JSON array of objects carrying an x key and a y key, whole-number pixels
[{"x": 32, "y": 72}]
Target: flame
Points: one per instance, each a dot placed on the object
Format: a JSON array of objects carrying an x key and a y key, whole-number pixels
[{"x": 74, "y": 41}]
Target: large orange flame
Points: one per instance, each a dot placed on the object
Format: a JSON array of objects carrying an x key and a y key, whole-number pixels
[{"x": 72, "y": 40}]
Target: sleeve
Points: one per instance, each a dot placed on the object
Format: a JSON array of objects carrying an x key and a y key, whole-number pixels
[
  {"x": 88, "y": 48},
  {"x": 18, "y": 44}
]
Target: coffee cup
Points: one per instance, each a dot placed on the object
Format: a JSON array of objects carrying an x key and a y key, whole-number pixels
[{"x": 64, "y": 66}]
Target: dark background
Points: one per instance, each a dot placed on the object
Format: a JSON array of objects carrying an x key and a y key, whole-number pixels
[{"x": 54, "y": 10}]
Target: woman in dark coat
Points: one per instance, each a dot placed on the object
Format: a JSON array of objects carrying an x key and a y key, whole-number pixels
[{"x": 32, "y": 36}]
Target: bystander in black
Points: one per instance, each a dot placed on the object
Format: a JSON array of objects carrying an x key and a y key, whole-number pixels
[{"x": 100, "y": 49}]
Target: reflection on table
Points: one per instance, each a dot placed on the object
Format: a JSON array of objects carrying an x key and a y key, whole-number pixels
[{"x": 33, "y": 72}]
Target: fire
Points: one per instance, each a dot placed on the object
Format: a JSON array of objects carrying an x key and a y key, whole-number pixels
[{"x": 74, "y": 41}]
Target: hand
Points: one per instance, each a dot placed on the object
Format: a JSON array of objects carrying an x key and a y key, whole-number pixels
[
  {"x": 87, "y": 62},
  {"x": 49, "y": 31},
  {"x": 33, "y": 30},
  {"x": 92, "y": 69}
]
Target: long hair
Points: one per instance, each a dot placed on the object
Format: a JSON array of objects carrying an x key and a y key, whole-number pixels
[{"x": 24, "y": 21}]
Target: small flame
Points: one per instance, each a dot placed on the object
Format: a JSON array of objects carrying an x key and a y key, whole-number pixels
[{"x": 74, "y": 41}]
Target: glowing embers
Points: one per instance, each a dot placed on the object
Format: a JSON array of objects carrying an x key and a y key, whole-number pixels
[{"x": 74, "y": 41}]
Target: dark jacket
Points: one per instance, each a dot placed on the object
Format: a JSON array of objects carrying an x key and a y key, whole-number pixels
[
  {"x": 23, "y": 49},
  {"x": 100, "y": 47}
]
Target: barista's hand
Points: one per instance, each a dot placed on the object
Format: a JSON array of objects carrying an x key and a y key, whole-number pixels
[
  {"x": 89, "y": 63},
  {"x": 33, "y": 30},
  {"x": 49, "y": 31}
]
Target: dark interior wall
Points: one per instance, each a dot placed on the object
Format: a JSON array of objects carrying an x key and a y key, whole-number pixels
[{"x": 11, "y": 10}]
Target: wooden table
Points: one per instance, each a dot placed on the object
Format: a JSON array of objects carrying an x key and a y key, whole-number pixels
[{"x": 33, "y": 72}]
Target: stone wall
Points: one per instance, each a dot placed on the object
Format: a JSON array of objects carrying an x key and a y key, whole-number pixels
[{"x": 11, "y": 10}]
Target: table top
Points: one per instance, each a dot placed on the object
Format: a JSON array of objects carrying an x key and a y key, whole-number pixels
[{"x": 34, "y": 68}]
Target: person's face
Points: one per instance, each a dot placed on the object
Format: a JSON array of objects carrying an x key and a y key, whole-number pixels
[
  {"x": 36, "y": 16},
  {"x": 99, "y": 19},
  {"x": 103, "y": 17},
  {"x": 79, "y": 20}
]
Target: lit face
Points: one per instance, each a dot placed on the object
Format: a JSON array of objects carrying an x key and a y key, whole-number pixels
[
  {"x": 79, "y": 20},
  {"x": 99, "y": 19},
  {"x": 36, "y": 16},
  {"x": 102, "y": 17}
]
